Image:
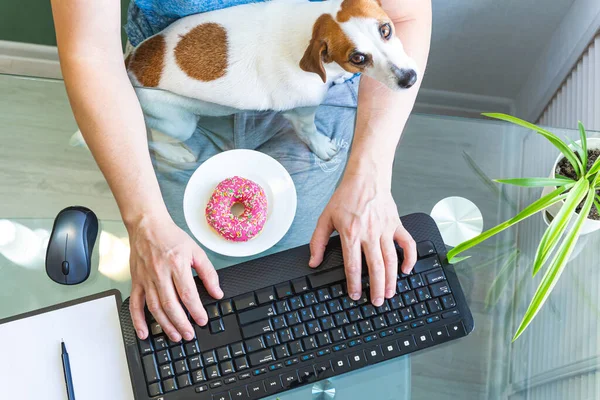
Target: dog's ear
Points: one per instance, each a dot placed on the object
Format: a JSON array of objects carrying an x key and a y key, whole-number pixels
[{"x": 313, "y": 58}]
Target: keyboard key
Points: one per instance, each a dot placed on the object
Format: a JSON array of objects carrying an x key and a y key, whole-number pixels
[
  {"x": 226, "y": 307},
  {"x": 313, "y": 327},
  {"x": 239, "y": 393},
  {"x": 433, "y": 319},
  {"x": 340, "y": 365},
  {"x": 323, "y": 370},
  {"x": 254, "y": 344},
  {"x": 351, "y": 331},
  {"x": 223, "y": 354},
  {"x": 417, "y": 324},
  {"x": 160, "y": 343},
  {"x": 309, "y": 343},
  {"x": 300, "y": 285},
  {"x": 327, "y": 323},
  {"x": 339, "y": 347},
  {"x": 212, "y": 372},
  {"x": 354, "y": 315},
  {"x": 379, "y": 322},
  {"x": 406, "y": 314},
  {"x": 150, "y": 368},
  {"x": 309, "y": 299},
  {"x": 271, "y": 339},
  {"x": 296, "y": 303},
  {"x": 440, "y": 289},
  {"x": 403, "y": 286},
  {"x": 402, "y": 328},
  {"x": 370, "y": 338},
  {"x": 282, "y": 307},
  {"x": 184, "y": 381},
  {"x": 423, "y": 339},
  {"x": 434, "y": 305},
  {"x": 145, "y": 347},
  {"x": 393, "y": 318},
  {"x": 440, "y": 335},
  {"x": 208, "y": 358},
  {"x": 451, "y": 314},
  {"x": 390, "y": 350},
  {"x": 221, "y": 396},
  {"x": 256, "y": 329},
  {"x": 198, "y": 376},
  {"x": 169, "y": 385},
  {"x": 410, "y": 298},
  {"x": 307, "y": 374},
  {"x": 365, "y": 326},
  {"x": 155, "y": 328},
  {"x": 292, "y": 361},
  {"x": 448, "y": 302},
  {"x": 261, "y": 357},
  {"x": 423, "y": 294},
  {"x": 244, "y": 301},
  {"x": 416, "y": 281},
  {"x": 323, "y": 295},
  {"x": 154, "y": 389},
  {"x": 341, "y": 319},
  {"x": 326, "y": 278},
  {"x": 237, "y": 349},
  {"x": 323, "y": 339},
  {"x": 281, "y": 351},
  {"x": 334, "y": 306},
  {"x": 273, "y": 385},
  {"x": 278, "y": 322},
  {"x": 241, "y": 363},
  {"x": 259, "y": 371},
  {"x": 320, "y": 310},
  {"x": 299, "y": 331},
  {"x": 348, "y": 303},
  {"x": 230, "y": 380},
  {"x": 368, "y": 311},
  {"x": 407, "y": 344},
  {"x": 194, "y": 363},
  {"x": 374, "y": 354},
  {"x": 227, "y": 368},
  {"x": 285, "y": 335},
  {"x": 296, "y": 347},
  {"x": 201, "y": 389},
  {"x": 256, "y": 390},
  {"x": 425, "y": 249},
  {"x": 256, "y": 314},
  {"x": 306, "y": 314},
  {"x": 216, "y": 385},
  {"x": 191, "y": 348},
  {"x": 355, "y": 342},
  {"x": 289, "y": 379},
  {"x": 216, "y": 326},
  {"x": 364, "y": 299},
  {"x": 337, "y": 335},
  {"x": 163, "y": 357},
  {"x": 245, "y": 375},
  {"x": 396, "y": 302},
  {"x": 383, "y": 308},
  {"x": 292, "y": 318},
  {"x": 213, "y": 311},
  {"x": 181, "y": 367},
  {"x": 357, "y": 360},
  {"x": 177, "y": 352},
  {"x": 337, "y": 291},
  {"x": 266, "y": 295},
  {"x": 435, "y": 276},
  {"x": 457, "y": 330},
  {"x": 284, "y": 290},
  {"x": 420, "y": 310}
]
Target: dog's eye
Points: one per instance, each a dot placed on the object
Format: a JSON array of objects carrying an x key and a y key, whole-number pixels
[
  {"x": 358, "y": 59},
  {"x": 386, "y": 31}
]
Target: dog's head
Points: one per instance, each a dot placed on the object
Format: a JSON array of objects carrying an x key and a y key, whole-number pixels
[{"x": 360, "y": 38}]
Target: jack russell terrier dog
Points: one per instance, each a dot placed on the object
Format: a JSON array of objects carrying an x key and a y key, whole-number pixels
[{"x": 279, "y": 55}]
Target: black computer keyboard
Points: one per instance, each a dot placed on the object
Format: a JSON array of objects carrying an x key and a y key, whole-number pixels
[{"x": 287, "y": 325}]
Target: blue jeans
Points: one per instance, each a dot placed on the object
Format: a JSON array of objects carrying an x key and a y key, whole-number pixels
[{"x": 270, "y": 133}]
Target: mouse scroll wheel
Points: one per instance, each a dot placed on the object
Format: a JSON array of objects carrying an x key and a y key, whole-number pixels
[{"x": 65, "y": 267}]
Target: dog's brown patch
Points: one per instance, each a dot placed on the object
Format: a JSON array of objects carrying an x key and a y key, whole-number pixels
[
  {"x": 202, "y": 52},
  {"x": 328, "y": 44},
  {"x": 361, "y": 8},
  {"x": 127, "y": 59},
  {"x": 148, "y": 61}
]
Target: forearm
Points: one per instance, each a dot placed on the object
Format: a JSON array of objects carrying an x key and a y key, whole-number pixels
[
  {"x": 382, "y": 113},
  {"x": 106, "y": 107}
]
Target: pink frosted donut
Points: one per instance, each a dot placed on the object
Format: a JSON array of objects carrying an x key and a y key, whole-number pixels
[{"x": 250, "y": 222}]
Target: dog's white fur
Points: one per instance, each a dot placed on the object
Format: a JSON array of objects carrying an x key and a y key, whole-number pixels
[{"x": 266, "y": 42}]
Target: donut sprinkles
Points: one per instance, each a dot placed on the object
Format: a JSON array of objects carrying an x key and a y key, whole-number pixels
[{"x": 229, "y": 192}]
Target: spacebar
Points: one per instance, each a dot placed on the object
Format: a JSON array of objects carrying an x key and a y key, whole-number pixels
[{"x": 327, "y": 277}]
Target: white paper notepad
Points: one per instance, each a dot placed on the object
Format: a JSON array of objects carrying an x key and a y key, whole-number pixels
[{"x": 31, "y": 363}]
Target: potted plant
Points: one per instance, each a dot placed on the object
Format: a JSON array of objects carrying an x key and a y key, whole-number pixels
[{"x": 571, "y": 197}]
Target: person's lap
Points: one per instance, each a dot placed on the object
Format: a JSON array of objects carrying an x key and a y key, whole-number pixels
[{"x": 270, "y": 133}]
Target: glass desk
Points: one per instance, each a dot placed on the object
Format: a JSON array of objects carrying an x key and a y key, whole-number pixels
[{"x": 557, "y": 358}]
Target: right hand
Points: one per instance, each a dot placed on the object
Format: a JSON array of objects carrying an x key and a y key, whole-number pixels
[{"x": 161, "y": 260}]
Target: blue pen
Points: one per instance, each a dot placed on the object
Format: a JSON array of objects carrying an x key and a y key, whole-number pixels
[{"x": 67, "y": 371}]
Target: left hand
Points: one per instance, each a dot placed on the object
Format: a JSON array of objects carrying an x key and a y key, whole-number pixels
[{"x": 365, "y": 215}]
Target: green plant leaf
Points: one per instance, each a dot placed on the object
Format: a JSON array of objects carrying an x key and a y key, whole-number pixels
[
  {"x": 536, "y": 182},
  {"x": 456, "y": 260},
  {"x": 533, "y": 208},
  {"x": 594, "y": 168},
  {"x": 597, "y": 204},
  {"x": 559, "y": 224},
  {"x": 583, "y": 138},
  {"x": 555, "y": 140},
  {"x": 556, "y": 268}
]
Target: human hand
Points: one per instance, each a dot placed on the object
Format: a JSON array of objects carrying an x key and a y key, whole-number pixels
[
  {"x": 365, "y": 215},
  {"x": 162, "y": 258}
]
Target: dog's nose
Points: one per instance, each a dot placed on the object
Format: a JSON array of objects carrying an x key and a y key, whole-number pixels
[{"x": 406, "y": 77}]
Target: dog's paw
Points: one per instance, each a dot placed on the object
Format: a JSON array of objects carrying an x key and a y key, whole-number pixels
[{"x": 323, "y": 147}]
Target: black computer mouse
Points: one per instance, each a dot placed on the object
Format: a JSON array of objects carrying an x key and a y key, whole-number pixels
[{"x": 69, "y": 253}]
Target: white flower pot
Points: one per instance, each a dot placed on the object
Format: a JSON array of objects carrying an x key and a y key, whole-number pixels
[{"x": 589, "y": 225}]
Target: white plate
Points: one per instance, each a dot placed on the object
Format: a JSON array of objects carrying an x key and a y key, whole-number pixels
[{"x": 249, "y": 164}]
